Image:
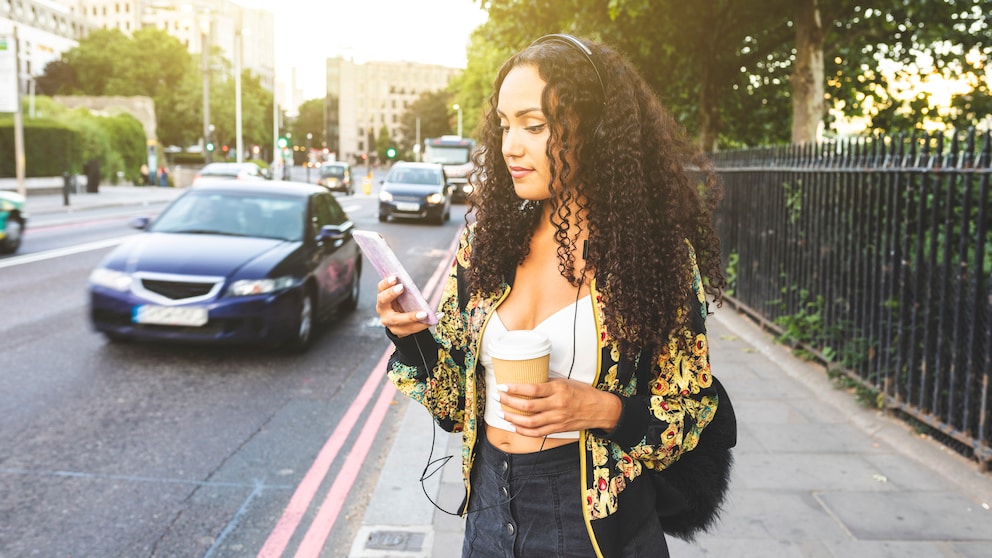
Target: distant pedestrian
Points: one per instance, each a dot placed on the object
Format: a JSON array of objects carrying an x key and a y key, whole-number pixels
[
  {"x": 163, "y": 176},
  {"x": 145, "y": 175}
]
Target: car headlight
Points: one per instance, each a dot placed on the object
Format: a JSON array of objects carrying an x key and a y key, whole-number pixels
[
  {"x": 111, "y": 279},
  {"x": 249, "y": 287},
  {"x": 385, "y": 196},
  {"x": 435, "y": 198}
]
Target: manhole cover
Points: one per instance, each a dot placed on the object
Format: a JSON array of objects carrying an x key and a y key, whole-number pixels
[{"x": 395, "y": 540}]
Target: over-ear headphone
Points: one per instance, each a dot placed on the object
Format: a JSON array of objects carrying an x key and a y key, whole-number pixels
[
  {"x": 562, "y": 38},
  {"x": 574, "y": 42}
]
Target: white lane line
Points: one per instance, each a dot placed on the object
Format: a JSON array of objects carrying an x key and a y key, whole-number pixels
[{"x": 59, "y": 252}]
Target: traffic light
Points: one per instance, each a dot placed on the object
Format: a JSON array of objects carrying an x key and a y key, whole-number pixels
[
  {"x": 210, "y": 146},
  {"x": 283, "y": 143},
  {"x": 391, "y": 153}
]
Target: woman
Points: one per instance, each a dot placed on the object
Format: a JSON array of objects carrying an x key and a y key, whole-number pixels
[{"x": 586, "y": 225}]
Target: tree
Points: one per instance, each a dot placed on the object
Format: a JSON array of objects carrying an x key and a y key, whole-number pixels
[
  {"x": 256, "y": 113},
  {"x": 156, "y": 64},
  {"x": 151, "y": 63},
  {"x": 59, "y": 79},
  {"x": 872, "y": 53},
  {"x": 310, "y": 120},
  {"x": 432, "y": 110},
  {"x": 383, "y": 142},
  {"x": 730, "y": 71}
]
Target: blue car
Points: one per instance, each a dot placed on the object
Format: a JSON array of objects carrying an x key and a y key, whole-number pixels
[
  {"x": 231, "y": 263},
  {"x": 417, "y": 191}
]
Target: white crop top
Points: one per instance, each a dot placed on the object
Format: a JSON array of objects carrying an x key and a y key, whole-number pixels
[{"x": 558, "y": 328}]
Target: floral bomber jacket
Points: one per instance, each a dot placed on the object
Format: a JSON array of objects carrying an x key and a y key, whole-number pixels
[{"x": 667, "y": 399}]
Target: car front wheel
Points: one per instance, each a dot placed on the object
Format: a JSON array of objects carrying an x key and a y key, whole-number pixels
[
  {"x": 12, "y": 236},
  {"x": 304, "y": 325}
]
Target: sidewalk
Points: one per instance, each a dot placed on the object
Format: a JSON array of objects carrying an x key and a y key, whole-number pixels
[
  {"x": 816, "y": 474},
  {"x": 108, "y": 196}
]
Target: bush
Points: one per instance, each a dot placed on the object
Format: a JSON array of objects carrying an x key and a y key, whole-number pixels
[
  {"x": 50, "y": 148},
  {"x": 188, "y": 159},
  {"x": 62, "y": 140}
]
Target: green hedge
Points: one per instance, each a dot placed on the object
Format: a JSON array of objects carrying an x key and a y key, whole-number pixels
[
  {"x": 50, "y": 148},
  {"x": 65, "y": 140}
]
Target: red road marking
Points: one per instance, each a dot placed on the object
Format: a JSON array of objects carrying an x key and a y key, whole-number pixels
[
  {"x": 307, "y": 489},
  {"x": 321, "y": 527}
]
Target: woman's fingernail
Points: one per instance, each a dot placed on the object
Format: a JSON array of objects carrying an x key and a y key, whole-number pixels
[
  {"x": 398, "y": 288},
  {"x": 500, "y": 414},
  {"x": 496, "y": 396},
  {"x": 393, "y": 280},
  {"x": 502, "y": 387},
  {"x": 421, "y": 315}
]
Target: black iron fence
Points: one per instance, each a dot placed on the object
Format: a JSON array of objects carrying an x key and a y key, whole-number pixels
[{"x": 874, "y": 256}]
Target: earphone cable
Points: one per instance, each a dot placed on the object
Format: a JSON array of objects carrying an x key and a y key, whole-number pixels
[{"x": 436, "y": 465}]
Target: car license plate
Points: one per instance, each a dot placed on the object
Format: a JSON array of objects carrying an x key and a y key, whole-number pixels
[
  {"x": 193, "y": 316},
  {"x": 402, "y": 206}
]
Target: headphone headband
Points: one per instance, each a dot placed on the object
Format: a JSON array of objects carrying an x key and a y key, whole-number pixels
[{"x": 574, "y": 42}]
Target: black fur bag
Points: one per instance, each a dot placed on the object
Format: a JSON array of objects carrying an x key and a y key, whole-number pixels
[{"x": 690, "y": 492}]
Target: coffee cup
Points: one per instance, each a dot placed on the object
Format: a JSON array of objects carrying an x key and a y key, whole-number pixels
[{"x": 521, "y": 357}]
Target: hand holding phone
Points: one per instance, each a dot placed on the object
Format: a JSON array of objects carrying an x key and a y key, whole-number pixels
[{"x": 385, "y": 262}]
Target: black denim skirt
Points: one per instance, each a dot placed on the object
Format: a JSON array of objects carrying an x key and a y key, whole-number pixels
[{"x": 530, "y": 506}]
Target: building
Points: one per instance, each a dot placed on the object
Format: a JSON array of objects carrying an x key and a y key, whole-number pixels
[
  {"x": 362, "y": 98},
  {"x": 45, "y": 29}
]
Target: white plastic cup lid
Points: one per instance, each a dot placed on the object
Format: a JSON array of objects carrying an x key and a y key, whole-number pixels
[{"x": 521, "y": 344}]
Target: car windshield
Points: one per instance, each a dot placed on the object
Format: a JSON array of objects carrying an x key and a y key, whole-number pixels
[
  {"x": 414, "y": 176},
  {"x": 225, "y": 170},
  {"x": 234, "y": 214},
  {"x": 335, "y": 170},
  {"x": 455, "y": 155}
]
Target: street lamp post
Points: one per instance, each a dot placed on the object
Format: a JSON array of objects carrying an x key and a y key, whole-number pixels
[
  {"x": 205, "y": 62},
  {"x": 416, "y": 147},
  {"x": 459, "y": 109},
  {"x": 238, "y": 48},
  {"x": 237, "y": 98},
  {"x": 307, "y": 158}
]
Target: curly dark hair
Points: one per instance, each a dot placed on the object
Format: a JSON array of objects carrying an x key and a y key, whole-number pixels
[{"x": 633, "y": 164}]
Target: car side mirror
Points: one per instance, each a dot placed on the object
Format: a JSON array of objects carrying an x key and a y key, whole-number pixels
[
  {"x": 140, "y": 223},
  {"x": 335, "y": 233}
]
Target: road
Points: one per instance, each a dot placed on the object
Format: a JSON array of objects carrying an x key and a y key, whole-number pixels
[{"x": 166, "y": 450}]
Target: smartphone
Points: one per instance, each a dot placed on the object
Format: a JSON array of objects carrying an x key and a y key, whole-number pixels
[{"x": 385, "y": 262}]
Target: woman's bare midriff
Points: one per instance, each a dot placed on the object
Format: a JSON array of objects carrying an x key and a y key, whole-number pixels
[{"x": 511, "y": 442}]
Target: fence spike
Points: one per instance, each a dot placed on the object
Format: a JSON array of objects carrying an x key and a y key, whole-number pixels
[
  {"x": 914, "y": 151},
  {"x": 982, "y": 161},
  {"x": 950, "y": 157},
  {"x": 968, "y": 150}
]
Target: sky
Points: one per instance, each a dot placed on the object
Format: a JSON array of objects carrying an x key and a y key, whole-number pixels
[{"x": 310, "y": 31}]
